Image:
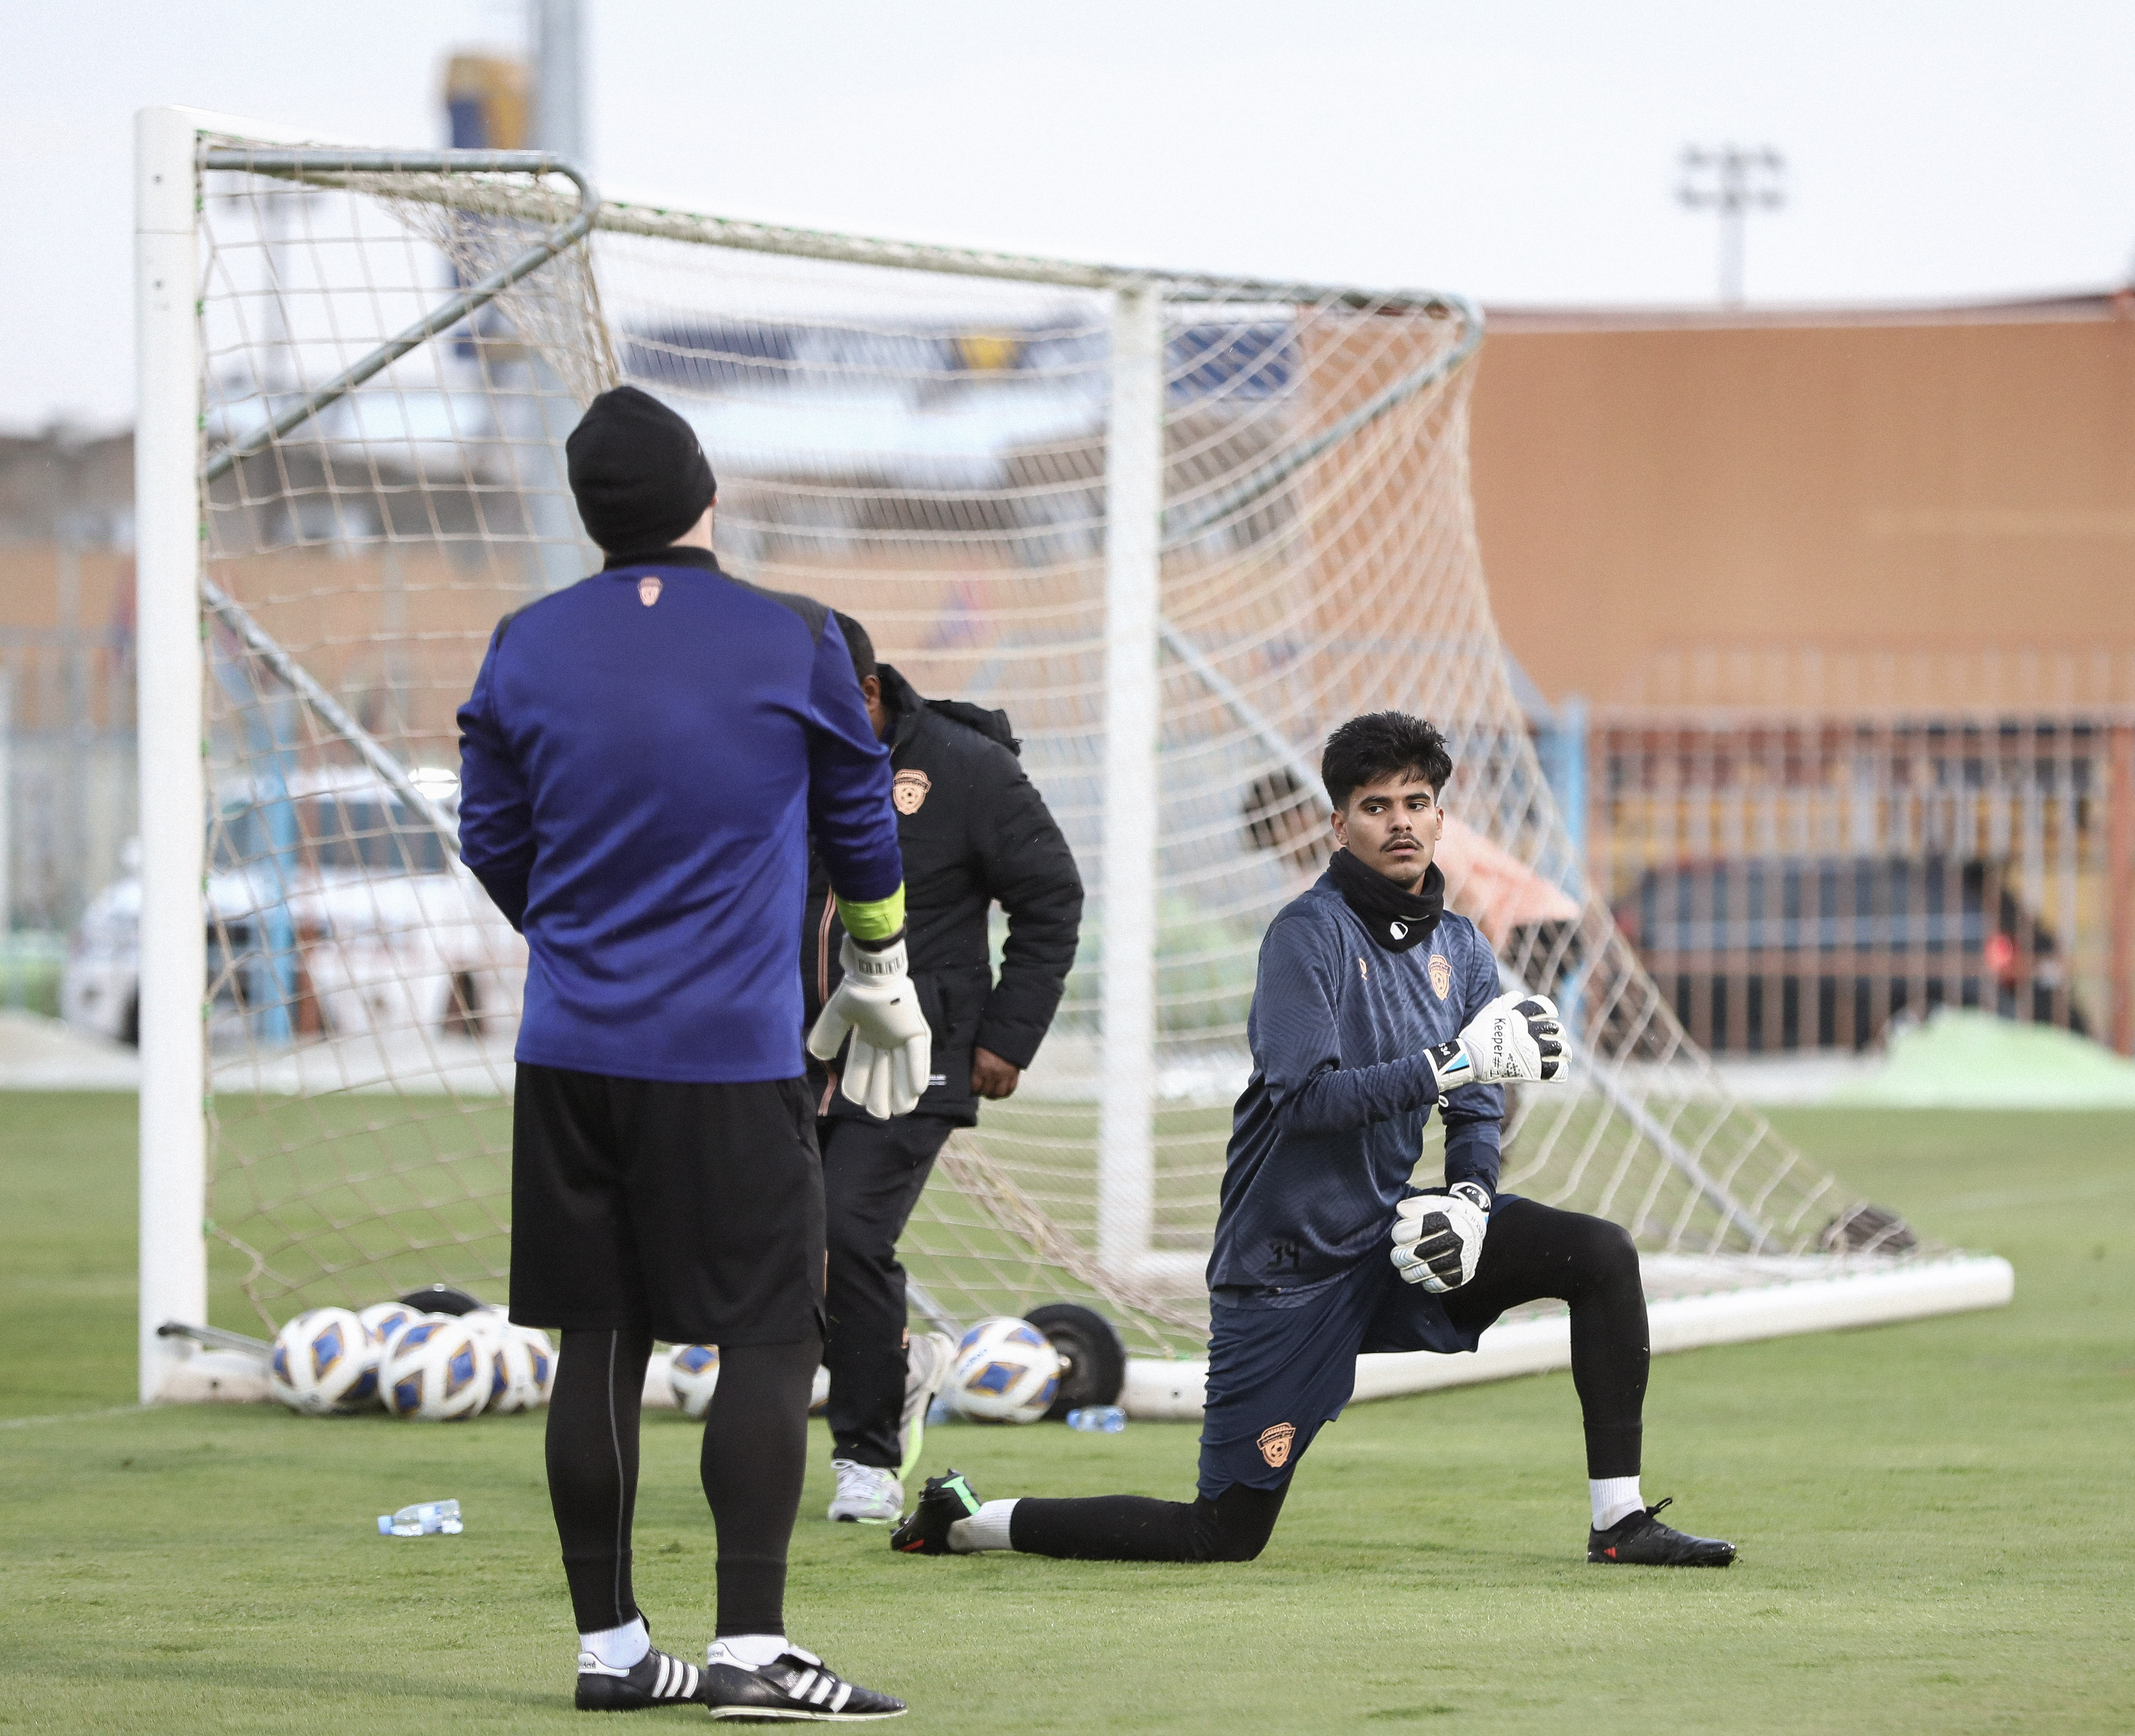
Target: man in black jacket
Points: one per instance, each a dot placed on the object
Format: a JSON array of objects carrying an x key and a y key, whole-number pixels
[{"x": 974, "y": 831}]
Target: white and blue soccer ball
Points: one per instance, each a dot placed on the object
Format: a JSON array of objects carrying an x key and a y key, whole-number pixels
[
  {"x": 324, "y": 1364},
  {"x": 523, "y": 1370},
  {"x": 1006, "y": 1371},
  {"x": 693, "y": 1373},
  {"x": 382, "y": 1319},
  {"x": 437, "y": 1369}
]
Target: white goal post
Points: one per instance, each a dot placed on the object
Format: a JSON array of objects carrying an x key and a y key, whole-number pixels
[{"x": 1176, "y": 524}]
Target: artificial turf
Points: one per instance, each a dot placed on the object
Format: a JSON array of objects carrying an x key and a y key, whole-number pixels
[{"x": 1936, "y": 1520}]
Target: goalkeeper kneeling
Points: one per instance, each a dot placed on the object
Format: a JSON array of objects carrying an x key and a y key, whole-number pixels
[{"x": 1373, "y": 1003}]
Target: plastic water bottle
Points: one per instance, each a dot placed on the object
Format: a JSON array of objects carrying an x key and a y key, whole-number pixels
[
  {"x": 421, "y": 1520},
  {"x": 1098, "y": 1420}
]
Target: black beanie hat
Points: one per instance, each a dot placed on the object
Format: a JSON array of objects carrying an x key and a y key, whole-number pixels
[{"x": 636, "y": 472}]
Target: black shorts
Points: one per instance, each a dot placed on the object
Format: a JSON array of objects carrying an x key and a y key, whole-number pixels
[{"x": 693, "y": 1211}]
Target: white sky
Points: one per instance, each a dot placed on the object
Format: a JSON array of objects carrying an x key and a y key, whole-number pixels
[{"x": 1521, "y": 152}]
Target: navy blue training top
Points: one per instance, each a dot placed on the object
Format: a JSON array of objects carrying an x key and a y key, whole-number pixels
[
  {"x": 1331, "y": 1123},
  {"x": 638, "y": 783}
]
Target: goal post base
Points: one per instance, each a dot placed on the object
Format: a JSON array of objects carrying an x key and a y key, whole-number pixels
[{"x": 1174, "y": 1391}]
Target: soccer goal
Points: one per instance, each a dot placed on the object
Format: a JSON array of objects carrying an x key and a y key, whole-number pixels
[{"x": 1176, "y": 524}]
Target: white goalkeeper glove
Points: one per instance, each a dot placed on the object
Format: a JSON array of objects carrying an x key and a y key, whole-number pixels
[
  {"x": 892, "y": 1050},
  {"x": 1515, "y": 1037},
  {"x": 1438, "y": 1237}
]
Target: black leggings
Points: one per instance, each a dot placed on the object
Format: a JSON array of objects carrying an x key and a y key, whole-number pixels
[
  {"x": 755, "y": 1454},
  {"x": 1531, "y": 1252}
]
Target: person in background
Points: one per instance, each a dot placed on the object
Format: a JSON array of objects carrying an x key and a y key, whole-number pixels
[{"x": 975, "y": 832}]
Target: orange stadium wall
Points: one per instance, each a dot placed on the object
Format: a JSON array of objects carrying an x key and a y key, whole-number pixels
[{"x": 1661, "y": 503}]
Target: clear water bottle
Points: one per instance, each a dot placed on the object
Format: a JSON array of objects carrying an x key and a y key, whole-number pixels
[
  {"x": 423, "y": 1519},
  {"x": 1098, "y": 1420}
]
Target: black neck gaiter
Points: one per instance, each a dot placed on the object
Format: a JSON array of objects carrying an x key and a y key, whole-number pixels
[{"x": 1396, "y": 919}]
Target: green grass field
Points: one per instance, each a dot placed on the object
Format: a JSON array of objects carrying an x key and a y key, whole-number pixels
[{"x": 1937, "y": 1520}]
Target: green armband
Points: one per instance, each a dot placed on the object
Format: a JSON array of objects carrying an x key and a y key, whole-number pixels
[{"x": 878, "y": 919}]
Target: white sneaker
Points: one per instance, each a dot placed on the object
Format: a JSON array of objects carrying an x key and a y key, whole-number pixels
[
  {"x": 867, "y": 1494},
  {"x": 926, "y": 1360}
]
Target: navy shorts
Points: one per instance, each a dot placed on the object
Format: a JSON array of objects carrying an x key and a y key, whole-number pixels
[{"x": 1276, "y": 1374}]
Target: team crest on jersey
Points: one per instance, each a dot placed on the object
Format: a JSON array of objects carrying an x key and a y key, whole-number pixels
[
  {"x": 648, "y": 590},
  {"x": 1441, "y": 975},
  {"x": 907, "y": 790},
  {"x": 1275, "y": 1444}
]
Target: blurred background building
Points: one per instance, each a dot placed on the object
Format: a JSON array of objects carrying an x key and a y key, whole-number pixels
[
  {"x": 1824, "y": 621},
  {"x": 1829, "y": 620}
]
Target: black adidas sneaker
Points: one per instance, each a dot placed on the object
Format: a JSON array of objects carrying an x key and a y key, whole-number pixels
[
  {"x": 654, "y": 1680},
  {"x": 799, "y": 1688},
  {"x": 1642, "y": 1540},
  {"x": 925, "y": 1530}
]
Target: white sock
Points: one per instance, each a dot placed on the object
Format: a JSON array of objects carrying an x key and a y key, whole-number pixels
[
  {"x": 986, "y": 1529},
  {"x": 618, "y": 1648},
  {"x": 1615, "y": 1499},
  {"x": 751, "y": 1650}
]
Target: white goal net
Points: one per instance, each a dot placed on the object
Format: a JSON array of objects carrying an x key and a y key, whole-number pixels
[{"x": 1176, "y": 525}]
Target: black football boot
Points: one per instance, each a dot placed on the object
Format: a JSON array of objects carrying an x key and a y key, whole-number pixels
[
  {"x": 798, "y": 1688},
  {"x": 654, "y": 1680},
  {"x": 1642, "y": 1540},
  {"x": 925, "y": 1530}
]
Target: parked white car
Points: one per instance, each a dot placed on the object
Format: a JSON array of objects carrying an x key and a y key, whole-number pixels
[{"x": 331, "y": 911}]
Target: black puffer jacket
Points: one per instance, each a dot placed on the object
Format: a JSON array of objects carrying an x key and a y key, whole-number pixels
[{"x": 974, "y": 831}]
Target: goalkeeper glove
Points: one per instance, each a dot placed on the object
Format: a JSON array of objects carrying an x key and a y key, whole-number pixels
[
  {"x": 1438, "y": 1237},
  {"x": 1515, "y": 1037},
  {"x": 892, "y": 1050}
]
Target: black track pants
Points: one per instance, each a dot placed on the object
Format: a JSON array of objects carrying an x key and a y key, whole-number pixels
[
  {"x": 873, "y": 1174},
  {"x": 755, "y": 1454}
]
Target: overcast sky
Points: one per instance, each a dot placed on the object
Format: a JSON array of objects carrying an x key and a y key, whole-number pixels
[{"x": 1522, "y": 152}]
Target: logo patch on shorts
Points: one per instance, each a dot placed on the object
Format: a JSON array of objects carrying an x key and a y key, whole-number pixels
[
  {"x": 1441, "y": 975},
  {"x": 908, "y": 791},
  {"x": 1275, "y": 1444},
  {"x": 648, "y": 590}
]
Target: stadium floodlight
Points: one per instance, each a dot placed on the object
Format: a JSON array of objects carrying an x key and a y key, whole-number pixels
[
  {"x": 1177, "y": 523},
  {"x": 1733, "y": 180}
]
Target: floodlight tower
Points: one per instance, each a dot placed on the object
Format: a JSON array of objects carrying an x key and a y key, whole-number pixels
[{"x": 1742, "y": 178}]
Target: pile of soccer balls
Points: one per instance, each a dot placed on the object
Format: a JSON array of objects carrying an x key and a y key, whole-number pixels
[{"x": 432, "y": 1368}]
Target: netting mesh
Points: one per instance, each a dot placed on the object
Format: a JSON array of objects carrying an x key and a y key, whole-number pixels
[{"x": 919, "y": 439}]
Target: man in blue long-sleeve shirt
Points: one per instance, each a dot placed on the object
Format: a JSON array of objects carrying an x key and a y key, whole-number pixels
[
  {"x": 1374, "y": 1004},
  {"x": 643, "y": 759}
]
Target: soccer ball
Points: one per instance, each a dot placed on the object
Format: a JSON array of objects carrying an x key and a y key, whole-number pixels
[
  {"x": 523, "y": 1368},
  {"x": 693, "y": 1372},
  {"x": 382, "y": 1319},
  {"x": 437, "y": 1369},
  {"x": 1006, "y": 1371},
  {"x": 324, "y": 1364},
  {"x": 490, "y": 1326}
]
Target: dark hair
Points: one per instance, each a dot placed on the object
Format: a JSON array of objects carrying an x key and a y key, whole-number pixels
[
  {"x": 858, "y": 643},
  {"x": 1380, "y": 744}
]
